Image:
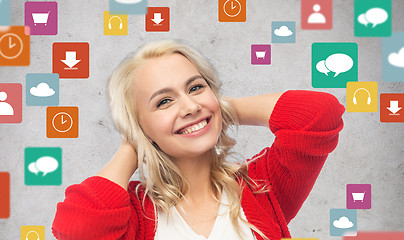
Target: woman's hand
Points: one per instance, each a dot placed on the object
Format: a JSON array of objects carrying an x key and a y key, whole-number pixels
[{"x": 122, "y": 165}]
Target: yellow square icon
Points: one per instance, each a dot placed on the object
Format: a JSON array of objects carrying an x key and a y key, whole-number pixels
[
  {"x": 115, "y": 24},
  {"x": 32, "y": 232},
  {"x": 361, "y": 96}
]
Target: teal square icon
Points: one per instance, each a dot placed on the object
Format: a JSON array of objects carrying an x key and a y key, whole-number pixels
[
  {"x": 333, "y": 64},
  {"x": 283, "y": 32},
  {"x": 372, "y": 18},
  {"x": 42, "y": 89},
  {"x": 343, "y": 222},
  {"x": 128, "y": 7},
  {"x": 43, "y": 166},
  {"x": 393, "y": 57}
]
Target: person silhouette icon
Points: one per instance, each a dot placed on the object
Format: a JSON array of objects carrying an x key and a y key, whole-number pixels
[
  {"x": 316, "y": 17},
  {"x": 5, "y": 108}
]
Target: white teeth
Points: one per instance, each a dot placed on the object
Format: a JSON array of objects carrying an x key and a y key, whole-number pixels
[{"x": 195, "y": 127}]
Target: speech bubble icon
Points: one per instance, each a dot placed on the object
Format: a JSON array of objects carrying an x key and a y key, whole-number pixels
[
  {"x": 322, "y": 68},
  {"x": 46, "y": 165},
  {"x": 339, "y": 63},
  {"x": 376, "y": 16},
  {"x": 32, "y": 168},
  {"x": 362, "y": 19}
]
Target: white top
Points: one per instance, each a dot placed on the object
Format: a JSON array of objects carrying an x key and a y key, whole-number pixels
[{"x": 178, "y": 229}]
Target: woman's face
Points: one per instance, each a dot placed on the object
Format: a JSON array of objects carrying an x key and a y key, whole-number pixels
[{"x": 176, "y": 107}]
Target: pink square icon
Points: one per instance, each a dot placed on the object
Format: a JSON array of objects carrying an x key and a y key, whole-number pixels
[
  {"x": 316, "y": 14},
  {"x": 358, "y": 196},
  {"x": 41, "y": 18},
  {"x": 261, "y": 54},
  {"x": 10, "y": 103}
]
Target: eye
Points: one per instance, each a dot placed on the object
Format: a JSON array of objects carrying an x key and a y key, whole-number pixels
[
  {"x": 163, "y": 102},
  {"x": 196, "y": 87}
]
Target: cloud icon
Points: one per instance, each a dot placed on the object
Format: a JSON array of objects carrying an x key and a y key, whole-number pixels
[
  {"x": 343, "y": 222},
  {"x": 397, "y": 59},
  {"x": 283, "y": 31},
  {"x": 42, "y": 90}
]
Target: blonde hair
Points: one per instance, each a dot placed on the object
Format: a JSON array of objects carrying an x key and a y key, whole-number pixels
[{"x": 163, "y": 182}]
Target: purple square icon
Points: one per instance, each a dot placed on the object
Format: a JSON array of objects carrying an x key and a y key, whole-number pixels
[
  {"x": 358, "y": 196},
  {"x": 41, "y": 18},
  {"x": 261, "y": 54}
]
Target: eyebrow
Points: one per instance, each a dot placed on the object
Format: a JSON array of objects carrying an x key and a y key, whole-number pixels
[{"x": 166, "y": 90}]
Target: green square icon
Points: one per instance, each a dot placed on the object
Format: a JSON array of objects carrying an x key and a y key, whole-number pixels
[
  {"x": 333, "y": 64},
  {"x": 372, "y": 18},
  {"x": 43, "y": 166}
]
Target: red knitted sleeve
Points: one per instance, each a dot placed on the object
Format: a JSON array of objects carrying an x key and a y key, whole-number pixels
[
  {"x": 95, "y": 209},
  {"x": 306, "y": 125}
]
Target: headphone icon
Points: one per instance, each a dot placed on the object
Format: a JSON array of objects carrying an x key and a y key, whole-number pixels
[
  {"x": 26, "y": 236},
  {"x": 354, "y": 98},
  {"x": 109, "y": 23}
]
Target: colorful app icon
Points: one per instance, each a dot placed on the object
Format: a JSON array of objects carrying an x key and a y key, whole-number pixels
[
  {"x": 232, "y": 10},
  {"x": 158, "y": 19},
  {"x": 41, "y": 18},
  {"x": 393, "y": 57},
  {"x": 42, "y": 89},
  {"x": 62, "y": 122},
  {"x": 372, "y": 18},
  {"x": 14, "y": 47},
  {"x": 10, "y": 103},
  {"x": 261, "y": 54},
  {"x": 4, "y": 195},
  {"x": 283, "y": 32},
  {"x": 362, "y": 235},
  {"x": 391, "y": 107},
  {"x": 32, "y": 232},
  {"x": 358, "y": 196},
  {"x": 316, "y": 14},
  {"x": 343, "y": 222},
  {"x": 125, "y": 7},
  {"x": 361, "y": 96},
  {"x": 43, "y": 166},
  {"x": 71, "y": 59},
  {"x": 333, "y": 64},
  {"x": 115, "y": 24},
  {"x": 5, "y": 12}
]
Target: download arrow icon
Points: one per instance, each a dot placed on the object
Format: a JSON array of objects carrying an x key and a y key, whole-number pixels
[
  {"x": 70, "y": 60},
  {"x": 394, "y": 108},
  {"x": 157, "y": 18}
]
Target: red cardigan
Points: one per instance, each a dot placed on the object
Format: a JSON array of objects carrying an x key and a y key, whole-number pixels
[{"x": 306, "y": 126}]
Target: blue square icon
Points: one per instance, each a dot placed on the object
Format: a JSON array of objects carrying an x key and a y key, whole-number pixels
[
  {"x": 393, "y": 57},
  {"x": 42, "y": 89},
  {"x": 343, "y": 222},
  {"x": 128, "y": 7},
  {"x": 5, "y": 13},
  {"x": 283, "y": 32}
]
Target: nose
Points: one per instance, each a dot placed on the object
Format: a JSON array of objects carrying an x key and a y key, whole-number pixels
[{"x": 189, "y": 106}]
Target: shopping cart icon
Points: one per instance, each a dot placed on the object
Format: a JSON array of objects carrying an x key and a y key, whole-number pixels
[
  {"x": 40, "y": 18},
  {"x": 260, "y": 54},
  {"x": 358, "y": 196}
]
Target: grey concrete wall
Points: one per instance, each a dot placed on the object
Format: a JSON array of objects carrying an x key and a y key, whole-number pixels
[{"x": 368, "y": 152}]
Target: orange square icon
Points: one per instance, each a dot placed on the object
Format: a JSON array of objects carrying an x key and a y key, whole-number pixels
[
  {"x": 14, "y": 46},
  {"x": 158, "y": 19},
  {"x": 391, "y": 107},
  {"x": 232, "y": 10},
  {"x": 62, "y": 122},
  {"x": 71, "y": 59},
  {"x": 4, "y": 195}
]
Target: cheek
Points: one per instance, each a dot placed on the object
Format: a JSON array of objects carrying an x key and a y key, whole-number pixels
[{"x": 157, "y": 125}]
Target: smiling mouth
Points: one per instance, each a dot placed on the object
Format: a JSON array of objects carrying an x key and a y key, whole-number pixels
[{"x": 195, "y": 127}]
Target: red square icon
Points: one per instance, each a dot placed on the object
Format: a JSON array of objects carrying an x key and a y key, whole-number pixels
[
  {"x": 4, "y": 195},
  {"x": 158, "y": 19},
  {"x": 10, "y": 103},
  {"x": 316, "y": 14},
  {"x": 71, "y": 59},
  {"x": 391, "y": 107}
]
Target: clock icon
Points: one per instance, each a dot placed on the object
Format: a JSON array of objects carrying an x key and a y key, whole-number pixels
[
  {"x": 10, "y": 46},
  {"x": 232, "y": 8},
  {"x": 62, "y": 122}
]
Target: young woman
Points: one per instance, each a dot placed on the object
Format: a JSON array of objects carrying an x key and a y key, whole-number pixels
[{"x": 166, "y": 103}]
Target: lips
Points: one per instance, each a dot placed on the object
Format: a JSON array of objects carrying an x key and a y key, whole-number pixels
[{"x": 194, "y": 126}]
